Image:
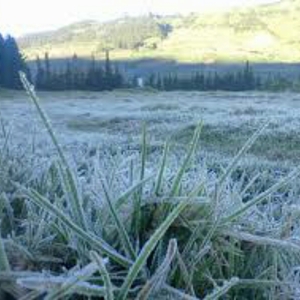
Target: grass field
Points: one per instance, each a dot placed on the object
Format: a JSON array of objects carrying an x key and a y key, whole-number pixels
[
  {"x": 104, "y": 210},
  {"x": 110, "y": 119}
]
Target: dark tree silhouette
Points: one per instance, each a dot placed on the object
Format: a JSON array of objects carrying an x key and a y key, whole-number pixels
[
  {"x": 11, "y": 62},
  {"x": 1, "y": 60}
]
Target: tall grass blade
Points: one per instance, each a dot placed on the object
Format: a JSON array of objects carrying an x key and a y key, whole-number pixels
[
  {"x": 105, "y": 275},
  {"x": 120, "y": 227},
  {"x": 159, "y": 179},
  {"x": 68, "y": 176},
  {"x": 242, "y": 151},
  {"x": 176, "y": 184},
  {"x": 4, "y": 263}
]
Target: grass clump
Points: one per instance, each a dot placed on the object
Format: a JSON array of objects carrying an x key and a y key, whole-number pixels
[{"x": 160, "y": 235}]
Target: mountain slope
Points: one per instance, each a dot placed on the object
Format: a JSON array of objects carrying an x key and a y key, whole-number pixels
[{"x": 265, "y": 33}]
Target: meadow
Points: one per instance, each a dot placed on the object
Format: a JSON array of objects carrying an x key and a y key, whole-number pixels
[{"x": 138, "y": 194}]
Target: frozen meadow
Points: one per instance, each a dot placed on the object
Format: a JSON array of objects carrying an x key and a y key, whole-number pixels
[
  {"x": 114, "y": 120},
  {"x": 144, "y": 202}
]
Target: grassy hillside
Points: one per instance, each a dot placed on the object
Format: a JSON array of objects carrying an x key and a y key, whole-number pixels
[{"x": 265, "y": 33}]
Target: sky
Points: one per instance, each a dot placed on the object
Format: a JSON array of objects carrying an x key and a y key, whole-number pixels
[{"x": 19, "y": 17}]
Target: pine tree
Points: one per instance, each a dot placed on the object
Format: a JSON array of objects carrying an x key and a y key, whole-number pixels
[
  {"x": 40, "y": 75},
  {"x": 1, "y": 60},
  {"x": 75, "y": 72},
  {"x": 159, "y": 83},
  {"x": 68, "y": 77},
  {"x": 48, "y": 77},
  {"x": 13, "y": 62},
  {"x": 108, "y": 72},
  {"x": 91, "y": 83},
  {"x": 118, "y": 78},
  {"x": 151, "y": 80},
  {"x": 249, "y": 77}
]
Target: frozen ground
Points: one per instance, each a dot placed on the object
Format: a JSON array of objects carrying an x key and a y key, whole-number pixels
[{"x": 114, "y": 120}]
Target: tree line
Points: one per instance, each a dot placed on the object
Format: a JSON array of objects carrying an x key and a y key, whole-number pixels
[
  {"x": 73, "y": 77},
  {"x": 241, "y": 80},
  {"x": 107, "y": 76},
  {"x": 11, "y": 62},
  {"x": 244, "y": 79}
]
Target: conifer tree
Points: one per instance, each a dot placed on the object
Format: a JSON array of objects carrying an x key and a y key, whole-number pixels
[
  {"x": 151, "y": 80},
  {"x": 68, "y": 77},
  {"x": 91, "y": 83},
  {"x": 40, "y": 75},
  {"x": 118, "y": 78},
  {"x": 1, "y": 60},
  {"x": 13, "y": 62},
  {"x": 108, "y": 75},
  {"x": 48, "y": 76}
]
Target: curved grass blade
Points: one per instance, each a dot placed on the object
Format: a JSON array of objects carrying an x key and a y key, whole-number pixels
[
  {"x": 69, "y": 283},
  {"x": 68, "y": 177},
  {"x": 221, "y": 291},
  {"x": 159, "y": 278},
  {"x": 105, "y": 275}
]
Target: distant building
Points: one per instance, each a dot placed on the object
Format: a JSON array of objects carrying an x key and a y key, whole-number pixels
[{"x": 140, "y": 82}]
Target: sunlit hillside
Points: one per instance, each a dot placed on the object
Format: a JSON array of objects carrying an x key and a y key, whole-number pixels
[{"x": 265, "y": 33}]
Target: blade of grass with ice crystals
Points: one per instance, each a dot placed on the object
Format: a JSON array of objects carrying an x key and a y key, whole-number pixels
[
  {"x": 221, "y": 291},
  {"x": 159, "y": 179},
  {"x": 124, "y": 197},
  {"x": 176, "y": 185},
  {"x": 262, "y": 240},
  {"x": 120, "y": 227},
  {"x": 93, "y": 240},
  {"x": 144, "y": 152},
  {"x": 68, "y": 176},
  {"x": 136, "y": 220},
  {"x": 178, "y": 294},
  {"x": 159, "y": 278},
  {"x": 243, "y": 150},
  {"x": 42, "y": 282},
  {"x": 262, "y": 196},
  {"x": 4, "y": 263},
  {"x": 69, "y": 283},
  {"x": 149, "y": 247},
  {"x": 4, "y": 147},
  {"x": 109, "y": 295}
]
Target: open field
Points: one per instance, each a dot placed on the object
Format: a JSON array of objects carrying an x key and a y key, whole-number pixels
[
  {"x": 111, "y": 213},
  {"x": 115, "y": 120}
]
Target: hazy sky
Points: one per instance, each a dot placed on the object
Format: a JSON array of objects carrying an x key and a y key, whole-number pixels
[{"x": 24, "y": 16}]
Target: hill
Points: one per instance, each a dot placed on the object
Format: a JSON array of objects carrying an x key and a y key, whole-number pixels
[{"x": 264, "y": 33}]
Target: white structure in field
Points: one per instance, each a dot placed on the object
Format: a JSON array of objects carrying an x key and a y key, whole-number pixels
[{"x": 140, "y": 82}]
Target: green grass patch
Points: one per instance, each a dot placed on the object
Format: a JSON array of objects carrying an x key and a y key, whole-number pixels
[{"x": 277, "y": 146}]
